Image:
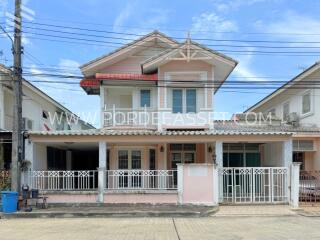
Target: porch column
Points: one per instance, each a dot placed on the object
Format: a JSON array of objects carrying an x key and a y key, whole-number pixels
[
  {"x": 102, "y": 170},
  {"x": 294, "y": 182},
  {"x": 219, "y": 154},
  {"x": 287, "y": 153}
]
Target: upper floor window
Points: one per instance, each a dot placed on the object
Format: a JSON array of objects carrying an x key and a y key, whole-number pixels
[
  {"x": 191, "y": 100},
  {"x": 177, "y": 101},
  {"x": 184, "y": 101},
  {"x": 145, "y": 98},
  {"x": 306, "y": 102},
  {"x": 285, "y": 111}
]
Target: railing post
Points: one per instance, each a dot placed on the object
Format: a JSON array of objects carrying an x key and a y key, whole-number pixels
[{"x": 294, "y": 184}]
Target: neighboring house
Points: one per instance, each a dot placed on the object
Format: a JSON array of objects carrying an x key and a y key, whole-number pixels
[
  {"x": 157, "y": 136},
  {"x": 296, "y": 104},
  {"x": 38, "y": 111}
]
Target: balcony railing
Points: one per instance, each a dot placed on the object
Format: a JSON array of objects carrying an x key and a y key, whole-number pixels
[
  {"x": 62, "y": 180},
  {"x": 141, "y": 180},
  {"x": 144, "y": 117}
]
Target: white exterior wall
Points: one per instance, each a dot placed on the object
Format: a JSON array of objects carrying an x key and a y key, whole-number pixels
[{"x": 294, "y": 97}]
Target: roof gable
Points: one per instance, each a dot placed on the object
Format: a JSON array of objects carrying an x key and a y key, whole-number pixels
[{"x": 128, "y": 50}]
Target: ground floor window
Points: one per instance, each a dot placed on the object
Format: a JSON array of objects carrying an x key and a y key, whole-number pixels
[
  {"x": 182, "y": 153},
  {"x": 241, "y": 155},
  {"x": 129, "y": 159}
]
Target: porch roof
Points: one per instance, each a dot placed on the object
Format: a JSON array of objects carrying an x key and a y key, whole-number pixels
[{"x": 140, "y": 132}]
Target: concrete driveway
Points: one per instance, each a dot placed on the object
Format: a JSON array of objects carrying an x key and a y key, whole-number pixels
[{"x": 290, "y": 227}]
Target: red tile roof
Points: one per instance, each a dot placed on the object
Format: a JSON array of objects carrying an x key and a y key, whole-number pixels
[{"x": 127, "y": 76}]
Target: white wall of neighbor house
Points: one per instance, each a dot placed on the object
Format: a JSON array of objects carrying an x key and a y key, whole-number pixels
[
  {"x": 294, "y": 98},
  {"x": 39, "y": 161},
  {"x": 2, "y": 113}
]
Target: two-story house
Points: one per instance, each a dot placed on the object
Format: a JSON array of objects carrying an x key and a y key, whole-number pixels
[
  {"x": 158, "y": 137},
  {"x": 38, "y": 110},
  {"x": 296, "y": 104}
]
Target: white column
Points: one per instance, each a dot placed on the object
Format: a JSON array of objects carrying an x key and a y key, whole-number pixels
[
  {"x": 294, "y": 182},
  {"x": 219, "y": 153},
  {"x": 180, "y": 183},
  {"x": 102, "y": 170},
  {"x": 287, "y": 153},
  {"x": 102, "y": 105}
]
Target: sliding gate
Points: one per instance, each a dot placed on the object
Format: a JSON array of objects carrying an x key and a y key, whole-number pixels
[{"x": 253, "y": 185}]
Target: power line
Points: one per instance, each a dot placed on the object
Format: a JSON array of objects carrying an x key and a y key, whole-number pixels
[
  {"x": 167, "y": 29},
  {"x": 196, "y": 39},
  {"x": 174, "y": 48}
]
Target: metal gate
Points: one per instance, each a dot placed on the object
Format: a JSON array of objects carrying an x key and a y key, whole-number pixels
[
  {"x": 253, "y": 185},
  {"x": 309, "y": 188}
]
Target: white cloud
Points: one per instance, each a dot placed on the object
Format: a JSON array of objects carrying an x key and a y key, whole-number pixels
[
  {"x": 211, "y": 22},
  {"x": 146, "y": 19},
  {"x": 231, "y": 5},
  {"x": 293, "y": 26},
  {"x": 123, "y": 16}
]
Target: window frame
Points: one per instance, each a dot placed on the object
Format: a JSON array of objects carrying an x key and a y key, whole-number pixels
[
  {"x": 150, "y": 97},
  {"x": 310, "y": 112},
  {"x": 184, "y": 107},
  {"x": 287, "y": 103}
]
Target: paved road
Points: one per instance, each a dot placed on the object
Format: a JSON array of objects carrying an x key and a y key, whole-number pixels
[{"x": 292, "y": 227}]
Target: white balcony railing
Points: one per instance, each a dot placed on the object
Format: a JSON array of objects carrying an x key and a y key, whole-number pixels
[
  {"x": 141, "y": 179},
  {"x": 62, "y": 180},
  {"x": 144, "y": 117}
]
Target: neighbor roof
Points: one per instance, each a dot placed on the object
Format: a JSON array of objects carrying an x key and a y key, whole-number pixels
[
  {"x": 43, "y": 94},
  {"x": 297, "y": 78}
]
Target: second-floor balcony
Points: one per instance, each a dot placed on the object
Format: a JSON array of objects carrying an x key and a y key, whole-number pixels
[
  {"x": 129, "y": 117},
  {"x": 155, "y": 118}
]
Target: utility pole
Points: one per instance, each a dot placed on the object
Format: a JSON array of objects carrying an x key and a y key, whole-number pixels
[{"x": 17, "y": 138}]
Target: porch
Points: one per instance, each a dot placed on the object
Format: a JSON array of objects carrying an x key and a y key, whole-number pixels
[{"x": 145, "y": 168}]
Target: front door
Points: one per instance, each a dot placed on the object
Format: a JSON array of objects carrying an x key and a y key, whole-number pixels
[
  {"x": 181, "y": 153},
  {"x": 130, "y": 162}
]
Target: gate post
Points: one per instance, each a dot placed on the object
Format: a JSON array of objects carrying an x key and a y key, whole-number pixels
[
  {"x": 102, "y": 171},
  {"x": 294, "y": 184}
]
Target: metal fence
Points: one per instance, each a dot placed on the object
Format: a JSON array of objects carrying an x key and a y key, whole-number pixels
[
  {"x": 309, "y": 187},
  {"x": 141, "y": 179},
  {"x": 63, "y": 180},
  {"x": 253, "y": 185}
]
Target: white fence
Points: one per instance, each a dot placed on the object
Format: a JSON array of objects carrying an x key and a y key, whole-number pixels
[
  {"x": 141, "y": 179},
  {"x": 62, "y": 180},
  {"x": 253, "y": 185}
]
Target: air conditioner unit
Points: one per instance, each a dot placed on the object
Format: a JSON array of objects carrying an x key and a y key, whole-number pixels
[
  {"x": 293, "y": 119},
  {"x": 27, "y": 124}
]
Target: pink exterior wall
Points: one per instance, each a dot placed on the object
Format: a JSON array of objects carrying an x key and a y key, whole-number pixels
[
  {"x": 148, "y": 198},
  {"x": 72, "y": 198},
  {"x": 197, "y": 184}
]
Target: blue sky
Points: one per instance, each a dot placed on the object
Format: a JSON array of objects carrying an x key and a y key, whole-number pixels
[{"x": 213, "y": 19}]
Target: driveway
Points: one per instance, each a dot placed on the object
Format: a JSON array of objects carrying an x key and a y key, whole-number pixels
[{"x": 290, "y": 227}]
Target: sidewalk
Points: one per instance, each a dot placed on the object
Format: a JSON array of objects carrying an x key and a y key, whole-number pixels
[
  {"x": 116, "y": 210},
  {"x": 254, "y": 210}
]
